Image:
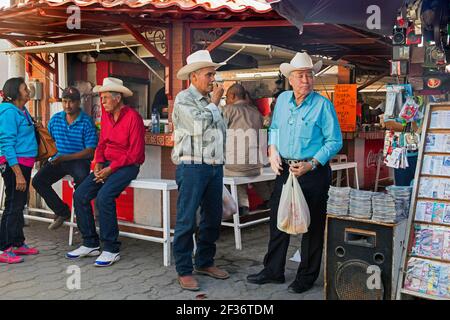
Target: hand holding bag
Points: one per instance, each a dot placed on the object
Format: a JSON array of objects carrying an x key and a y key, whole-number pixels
[{"x": 293, "y": 211}]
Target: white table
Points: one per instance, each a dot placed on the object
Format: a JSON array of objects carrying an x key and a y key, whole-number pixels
[
  {"x": 149, "y": 184},
  {"x": 233, "y": 182},
  {"x": 268, "y": 175}
]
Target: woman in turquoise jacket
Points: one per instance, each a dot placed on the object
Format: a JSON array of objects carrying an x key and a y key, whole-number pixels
[{"x": 18, "y": 150}]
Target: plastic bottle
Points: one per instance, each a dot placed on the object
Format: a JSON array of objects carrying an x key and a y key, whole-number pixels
[{"x": 155, "y": 121}]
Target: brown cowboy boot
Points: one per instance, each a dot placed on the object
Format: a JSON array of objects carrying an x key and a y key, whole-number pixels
[
  {"x": 213, "y": 272},
  {"x": 188, "y": 283}
]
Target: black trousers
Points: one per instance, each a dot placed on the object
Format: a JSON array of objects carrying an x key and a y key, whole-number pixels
[
  {"x": 315, "y": 185},
  {"x": 11, "y": 226},
  {"x": 50, "y": 174}
]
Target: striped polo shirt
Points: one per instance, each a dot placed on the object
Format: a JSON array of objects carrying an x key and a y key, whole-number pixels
[{"x": 73, "y": 138}]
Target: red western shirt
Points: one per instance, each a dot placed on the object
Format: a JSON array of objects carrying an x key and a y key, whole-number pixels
[{"x": 122, "y": 142}]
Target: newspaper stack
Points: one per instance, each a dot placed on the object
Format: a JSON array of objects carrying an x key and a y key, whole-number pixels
[
  {"x": 402, "y": 196},
  {"x": 361, "y": 204},
  {"x": 338, "y": 200},
  {"x": 385, "y": 208}
]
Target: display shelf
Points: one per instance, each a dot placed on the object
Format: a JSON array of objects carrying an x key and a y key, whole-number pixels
[
  {"x": 422, "y": 295},
  {"x": 411, "y": 240},
  {"x": 435, "y": 224}
]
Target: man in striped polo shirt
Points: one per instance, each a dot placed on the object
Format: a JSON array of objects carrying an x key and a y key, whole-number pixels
[{"x": 76, "y": 139}]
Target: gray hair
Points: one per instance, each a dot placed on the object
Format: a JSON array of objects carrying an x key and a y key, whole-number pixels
[
  {"x": 190, "y": 75},
  {"x": 117, "y": 94}
]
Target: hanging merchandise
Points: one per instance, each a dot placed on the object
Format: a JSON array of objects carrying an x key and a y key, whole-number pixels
[
  {"x": 409, "y": 109},
  {"x": 395, "y": 97},
  {"x": 397, "y": 145}
]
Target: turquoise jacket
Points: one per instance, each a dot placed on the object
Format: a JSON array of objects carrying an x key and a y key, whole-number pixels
[{"x": 17, "y": 134}]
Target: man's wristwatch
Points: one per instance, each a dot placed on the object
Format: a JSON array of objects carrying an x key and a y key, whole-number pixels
[{"x": 313, "y": 163}]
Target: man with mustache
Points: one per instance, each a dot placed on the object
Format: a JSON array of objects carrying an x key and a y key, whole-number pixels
[{"x": 76, "y": 139}]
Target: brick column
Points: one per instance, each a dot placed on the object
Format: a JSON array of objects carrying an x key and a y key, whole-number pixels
[
  {"x": 177, "y": 61},
  {"x": 177, "y": 43}
]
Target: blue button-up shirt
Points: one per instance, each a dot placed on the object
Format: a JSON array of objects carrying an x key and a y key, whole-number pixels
[
  {"x": 74, "y": 137},
  {"x": 310, "y": 130}
]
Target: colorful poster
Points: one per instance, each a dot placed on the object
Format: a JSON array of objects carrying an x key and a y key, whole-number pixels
[{"x": 345, "y": 105}]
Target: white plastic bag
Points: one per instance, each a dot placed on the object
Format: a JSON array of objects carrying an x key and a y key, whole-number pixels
[
  {"x": 229, "y": 205},
  {"x": 293, "y": 212}
]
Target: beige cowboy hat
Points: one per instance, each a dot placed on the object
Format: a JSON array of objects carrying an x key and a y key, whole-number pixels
[
  {"x": 301, "y": 61},
  {"x": 113, "y": 85},
  {"x": 198, "y": 60}
]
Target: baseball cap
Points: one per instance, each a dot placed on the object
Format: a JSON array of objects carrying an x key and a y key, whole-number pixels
[{"x": 71, "y": 93}]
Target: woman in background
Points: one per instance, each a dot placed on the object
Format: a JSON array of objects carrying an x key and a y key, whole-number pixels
[{"x": 18, "y": 150}]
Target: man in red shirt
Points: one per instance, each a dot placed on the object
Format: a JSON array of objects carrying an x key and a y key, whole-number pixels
[{"x": 120, "y": 152}]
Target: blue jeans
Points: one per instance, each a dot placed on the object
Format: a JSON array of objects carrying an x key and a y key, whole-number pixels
[
  {"x": 403, "y": 177},
  {"x": 11, "y": 227},
  {"x": 106, "y": 194},
  {"x": 198, "y": 185},
  {"x": 49, "y": 174}
]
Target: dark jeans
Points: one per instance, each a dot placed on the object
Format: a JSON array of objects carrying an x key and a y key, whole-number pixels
[
  {"x": 403, "y": 177},
  {"x": 315, "y": 185},
  {"x": 11, "y": 228},
  {"x": 50, "y": 174},
  {"x": 198, "y": 185},
  {"x": 106, "y": 194}
]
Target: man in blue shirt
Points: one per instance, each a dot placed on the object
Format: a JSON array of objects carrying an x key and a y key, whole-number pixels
[
  {"x": 304, "y": 136},
  {"x": 76, "y": 139}
]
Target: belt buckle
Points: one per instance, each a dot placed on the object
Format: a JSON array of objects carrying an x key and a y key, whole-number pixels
[{"x": 292, "y": 162}]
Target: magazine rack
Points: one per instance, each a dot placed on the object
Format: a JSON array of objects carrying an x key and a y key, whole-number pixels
[{"x": 425, "y": 269}]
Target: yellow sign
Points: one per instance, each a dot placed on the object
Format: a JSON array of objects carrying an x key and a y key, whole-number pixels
[{"x": 345, "y": 105}]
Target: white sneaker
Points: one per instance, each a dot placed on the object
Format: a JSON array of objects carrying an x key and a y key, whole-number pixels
[
  {"x": 106, "y": 259},
  {"x": 83, "y": 252}
]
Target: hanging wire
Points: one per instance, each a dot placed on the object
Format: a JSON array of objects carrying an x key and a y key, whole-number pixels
[
  {"x": 143, "y": 61},
  {"x": 38, "y": 69}
]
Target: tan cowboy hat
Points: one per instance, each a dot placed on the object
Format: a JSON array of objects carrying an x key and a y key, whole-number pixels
[
  {"x": 301, "y": 61},
  {"x": 113, "y": 85},
  {"x": 198, "y": 60}
]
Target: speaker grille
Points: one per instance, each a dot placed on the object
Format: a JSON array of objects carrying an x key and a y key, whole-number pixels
[{"x": 351, "y": 282}]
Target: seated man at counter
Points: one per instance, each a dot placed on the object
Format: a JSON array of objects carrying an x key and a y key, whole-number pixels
[
  {"x": 119, "y": 154},
  {"x": 243, "y": 157},
  {"x": 75, "y": 136}
]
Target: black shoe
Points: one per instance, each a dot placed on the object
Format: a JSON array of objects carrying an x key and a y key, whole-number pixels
[
  {"x": 243, "y": 211},
  {"x": 262, "y": 278},
  {"x": 298, "y": 287},
  {"x": 59, "y": 221}
]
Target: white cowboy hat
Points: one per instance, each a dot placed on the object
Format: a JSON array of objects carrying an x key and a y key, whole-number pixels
[
  {"x": 198, "y": 60},
  {"x": 113, "y": 85},
  {"x": 301, "y": 61}
]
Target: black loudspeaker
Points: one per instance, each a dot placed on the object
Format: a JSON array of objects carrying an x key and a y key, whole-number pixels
[
  {"x": 363, "y": 258},
  {"x": 398, "y": 36}
]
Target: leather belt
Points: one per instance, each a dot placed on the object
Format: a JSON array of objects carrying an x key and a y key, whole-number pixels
[{"x": 292, "y": 161}]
